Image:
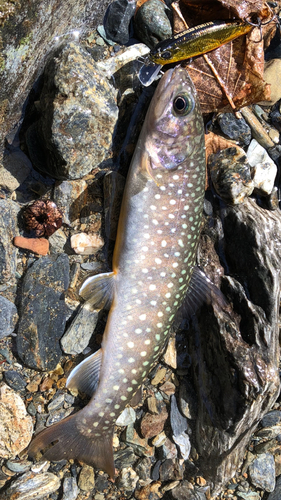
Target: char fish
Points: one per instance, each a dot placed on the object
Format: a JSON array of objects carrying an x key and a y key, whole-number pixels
[{"x": 153, "y": 264}]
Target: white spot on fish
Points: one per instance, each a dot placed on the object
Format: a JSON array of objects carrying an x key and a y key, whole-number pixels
[
  {"x": 144, "y": 270},
  {"x": 142, "y": 317},
  {"x": 144, "y": 249},
  {"x": 173, "y": 202},
  {"x": 163, "y": 243},
  {"x": 147, "y": 342},
  {"x": 143, "y": 353},
  {"x": 158, "y": 261},
  {"x": 152, "y": 287},
  {"x": 157, "y": 197},
  {"x": 180, "y": 242},
  {"x": 130, "y": 345},
  {"x": 175, "y": 264},
  {"x": 131, "y": 360},
  {"x": 95, "y": 424}
]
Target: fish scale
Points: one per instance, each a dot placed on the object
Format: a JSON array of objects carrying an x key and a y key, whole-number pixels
[{"x": 153, "y": 262}]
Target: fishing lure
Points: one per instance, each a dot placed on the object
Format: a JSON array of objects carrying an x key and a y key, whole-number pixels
[{"x": 190, "y": 43}]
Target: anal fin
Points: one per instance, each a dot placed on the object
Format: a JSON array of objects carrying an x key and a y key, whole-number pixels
[
  {"x": 85, "y": 376},
  {"x": 64, "y": 441},
  {"x": 98, "y": 290}
]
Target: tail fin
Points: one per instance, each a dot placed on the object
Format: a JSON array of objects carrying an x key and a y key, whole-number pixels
[{"x": 65, "y": 441}]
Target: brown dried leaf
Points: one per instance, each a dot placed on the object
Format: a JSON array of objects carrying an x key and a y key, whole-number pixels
[{"x": 215, "y": 143}]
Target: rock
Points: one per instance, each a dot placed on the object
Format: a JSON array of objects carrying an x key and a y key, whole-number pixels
[
  {"x": 143, "y": 469},
  {"x": 127, "y": 417},
  {"x": 150, "y": 491},
  {"x": 117, "y": 19},
  {"x": 43, "y": 312},
  {"x": 171, "y": 470},
  {"x": 78, "y": 335},
  {"x": 251, "y": 495},
  {"x": 159, "y": 440},
  {"x": 127, "y": 479},
  {"x": 151, "y": 23},
  {"x": 264, "y": 169},
  {"x": 18, "y": 466},
  {"x": 86, "y": 480},
  {"x": 56, "y": 403},
  {"x": 187, "y": 400},
  {"x": 9, "y": 316},
  {"x": 168, "y": 388},
  {"x": 70, "y": 488},
  {"x": 170, "y": 356},
  {"x": 183, "y": 442},
  {"x": 184, "y": 492},
  {"x": 78, "y": 116},
  {"x": 158, "y": 377},
  {"x": 235, "y": 128},
  {"x": 231, "y": 175},
  {"x": 32, "y": 485},
  {"x": 86, "y": 244},
  {"x": 14, "y": 380},
  {"x": 131, "y": 437},
  {"x": 178, "y": 422},
  {"x": 71, "y": 197},
  {"x": 275, "y": 495},
  {"x": 15, "y": 425},
  {"x": 17, "y": 167},
  {"x": 8, "y": 229},
  {"x": 35, "y": 245},
  {"x": 57, "y": 242},
  {"x": 271, "y": 418},
  {"x": 169, "y": 449},
  {"x": 272, "y": 69},
  {"x": 124, "y": 457},
  {"x": 262, "y": 472},
  {"x": 56, "y": 416},
  {"x": 151, "y": 425}
]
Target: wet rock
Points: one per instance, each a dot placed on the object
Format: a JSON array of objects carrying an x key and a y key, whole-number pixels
[
  {"x": 8, "y": 229},
  {"x": 151, "y": 425},
  {"x": 178, "y": 422},
  {"x": 70, "y": 488},
  {"x": 14, "y": 380},
  {"x": 262, "y": 472},
  {"x": 263, "y": 169},
  {"x": 117, "y": 19},
  {"x": 127, "y": 417},
  {"x": 127, "y": 480},
  {"x": 235, "y": 128},
  {"x": 271, "y": 418},
  {"x": 32, "y": 485},
  {"x": 113, "y": 187},
  {"x": 86, "y": 480},
  {"x": 151, "y": 23},
  {"x": 78, "y": 335},
  {"x": 78, "y": 115},
  {"x": 43, "y": 312},
  {"x": 171, "y": 470},
  {"x": 86, "y": 244},
  {"x": 15, "y": 425},
  {"x": 9, "y": 316},
  {"x": 15, "y": 170},
  {"x": 231, "y": 175}
]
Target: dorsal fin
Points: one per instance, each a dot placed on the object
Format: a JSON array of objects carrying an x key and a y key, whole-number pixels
[
  {"x": 98, "y": 290},
  {"x": 85, "y": 376}
]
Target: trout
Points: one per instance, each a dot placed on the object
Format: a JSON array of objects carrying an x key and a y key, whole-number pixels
[{"x": 153, "y": 263}]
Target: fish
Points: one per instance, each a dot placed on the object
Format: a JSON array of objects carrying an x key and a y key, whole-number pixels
[
  {"x": 153, "y": 273},
  {"x": 190, "y": 43}
]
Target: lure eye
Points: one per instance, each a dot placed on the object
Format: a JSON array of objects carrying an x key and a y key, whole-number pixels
[
  {"x": 166, "y": 55},
  {"x": 183, "y": 104}
]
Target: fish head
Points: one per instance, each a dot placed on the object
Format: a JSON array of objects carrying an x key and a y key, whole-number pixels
[{"x": 175, "y": 129}]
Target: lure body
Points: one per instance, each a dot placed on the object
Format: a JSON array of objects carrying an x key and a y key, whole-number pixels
[
  {"x": 196, "y": 41},
  {"x": 153, "y": 262}
]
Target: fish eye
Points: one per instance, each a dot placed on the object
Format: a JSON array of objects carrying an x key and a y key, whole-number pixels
[{"x": 183, "y": 104}]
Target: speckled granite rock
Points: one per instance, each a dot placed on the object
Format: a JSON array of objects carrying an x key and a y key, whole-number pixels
[{"x": 8, "y": 229}]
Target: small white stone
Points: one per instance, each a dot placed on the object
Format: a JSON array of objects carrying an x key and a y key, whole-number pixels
[
  {"x": 86, "y": 244},
  {"x": 263, "y": 169}
]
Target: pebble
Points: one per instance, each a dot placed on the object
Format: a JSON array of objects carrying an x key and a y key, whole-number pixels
[
  {"x": 258, "y": 131},
  {"x": 169, "y": 449},
  {"x": 77, "y": 336},
  {"x": 262, "y": 472},
  {"x": 168, "y": 388},
  {"x": 56, "y": 403},
  {"x": 35, "y": 245},
  {"x": 9, "y": 317},
  {"x": 178, "y": 422},
  {"x": 86, "y": 244},
  {"x": 16, "y": 426},
  {"x": 131, "y": 437},
  {"x": 187, "y": 400},
  {"x": 127, "y": 417},
  {"x": 171, "y": 470},
  {"x": 235, "y": 128},
  {"x": 8, "y": 229},
  {"x": 271, "y": 75},
  {"x": 159, "y": 376},
  {"x": 124, "y": 457},
  {"x": 18, "y": 466},
  {"x": 276, "y": 494},
  {"x": 151, "y": 23},
  {"x": 151, "y": 492},
  {"x": 57, "y": 242},
  {"x": 117, "y": 20},
  {"x": 151, "y": 424},
  {"x": 271, "y": 418},
  {"x": 251, "y": 495},
  {"x": 263, "y": 170},
  {"x": 86, "y": 481},
  {"x": 15, "y": 380},
  {"x": 88, "y": 112},
  {"x": 127, "y": 479},
  {"x": 37, "y": 327},
  {"x": 70, "y": 488},
  {"x": 159, "y": 440},
  {"x": 183, "y": 442},
  {"x": 58, "y": 415},
  {"x": 32, "y": 486},
  {"x": 71, "y": 197},
  {"x": 143, "y": 470},
  {"x": 170, "y": 356},
  {"x": 231, "y": 175},
  {"x": 184, "y": 491}
]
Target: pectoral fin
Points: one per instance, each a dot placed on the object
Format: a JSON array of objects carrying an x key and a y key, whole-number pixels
[{"x": 98, "y": 290}]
